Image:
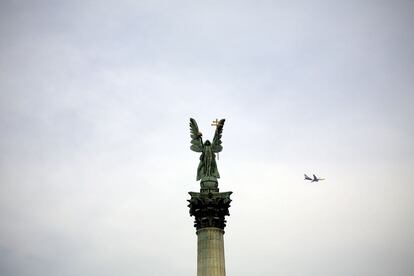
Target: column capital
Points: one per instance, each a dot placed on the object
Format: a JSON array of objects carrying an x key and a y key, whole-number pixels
[{"x": 209, "y": 208}]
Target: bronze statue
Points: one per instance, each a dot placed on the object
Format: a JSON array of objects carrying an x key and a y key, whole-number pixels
[
  {"x": 207, "y": 168},
  {"x": 209, "y": 207}
]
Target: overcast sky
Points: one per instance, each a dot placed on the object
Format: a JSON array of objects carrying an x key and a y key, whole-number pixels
[{"x": 95, "y": 165}]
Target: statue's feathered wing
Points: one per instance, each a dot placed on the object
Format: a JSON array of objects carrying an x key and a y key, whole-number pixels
[
  {"x": 196, "y": 140},
  {"x": 216, "y": 145}
]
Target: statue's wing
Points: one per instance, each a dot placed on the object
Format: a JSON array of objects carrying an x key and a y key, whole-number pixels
[
  {"x": 216, "y": 146},
  {"x": 196, "y": 140}
]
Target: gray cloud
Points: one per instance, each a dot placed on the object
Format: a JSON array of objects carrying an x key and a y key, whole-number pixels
[{"x": 94, "y": 107}]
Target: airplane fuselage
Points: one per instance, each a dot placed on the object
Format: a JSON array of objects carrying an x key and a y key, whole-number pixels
[{"x": 314, "y": 179}]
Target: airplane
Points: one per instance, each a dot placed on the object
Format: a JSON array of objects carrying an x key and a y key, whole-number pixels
[{"x": 315, "y": 179}]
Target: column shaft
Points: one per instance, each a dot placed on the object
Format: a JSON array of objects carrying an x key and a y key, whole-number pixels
[{"x": 210, "y": 255}]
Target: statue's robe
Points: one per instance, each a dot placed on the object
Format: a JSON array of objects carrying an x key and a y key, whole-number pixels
[{"x": 207, "y": 165}]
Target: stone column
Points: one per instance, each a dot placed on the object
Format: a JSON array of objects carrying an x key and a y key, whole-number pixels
[
  {"x": 210, "y": 252},
  {"x": 209, "y": 207}
]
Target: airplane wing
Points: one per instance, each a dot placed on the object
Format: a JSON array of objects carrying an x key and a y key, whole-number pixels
[{"x": 315, "y": 178}]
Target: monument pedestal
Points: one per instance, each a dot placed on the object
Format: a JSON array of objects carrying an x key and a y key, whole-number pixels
[{"x": 209, "y": 208}]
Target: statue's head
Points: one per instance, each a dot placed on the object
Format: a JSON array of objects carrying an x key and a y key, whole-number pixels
[{"x": 207, "y": 143}]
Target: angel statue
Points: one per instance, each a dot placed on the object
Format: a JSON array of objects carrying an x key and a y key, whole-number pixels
[{"x": 207, "y": 169}]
